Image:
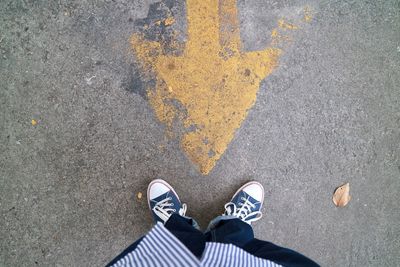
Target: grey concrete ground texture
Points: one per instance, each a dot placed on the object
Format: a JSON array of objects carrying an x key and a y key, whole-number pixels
[{"x": 328, "y": 114}]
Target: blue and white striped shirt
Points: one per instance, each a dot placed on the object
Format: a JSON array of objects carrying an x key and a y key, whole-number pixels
[{"x": 161, "y": 248}]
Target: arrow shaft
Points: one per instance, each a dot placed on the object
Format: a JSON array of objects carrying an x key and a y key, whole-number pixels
[
  {"x": 203, "y": 26},
  {"x": 212, "y": 25},
  {"x": 229, "y": 25}
]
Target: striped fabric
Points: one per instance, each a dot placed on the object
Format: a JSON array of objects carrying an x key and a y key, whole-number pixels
[{"x": 161, "y": 248}]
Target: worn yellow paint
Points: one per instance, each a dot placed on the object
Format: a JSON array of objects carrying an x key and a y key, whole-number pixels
[
  {"x": 166, "y": 22},
  {"x": 279, "y": 34},
  {"x": 169, "y": 21},
  {"x": 214, "y": 81},
  {"x": 285, "y": 25},
  {"x": 307, "y": 14}
]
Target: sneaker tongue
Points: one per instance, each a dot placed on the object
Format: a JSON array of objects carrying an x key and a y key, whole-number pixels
[{"x": 250, "y": 198}]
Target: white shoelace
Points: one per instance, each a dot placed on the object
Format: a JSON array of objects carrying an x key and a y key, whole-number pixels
[
  {"x": 164, "y": 210},
  {"x": 244, "y": 211}
]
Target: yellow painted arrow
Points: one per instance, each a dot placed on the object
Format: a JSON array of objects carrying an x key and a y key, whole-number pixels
[{"x": 213, "y": 80}]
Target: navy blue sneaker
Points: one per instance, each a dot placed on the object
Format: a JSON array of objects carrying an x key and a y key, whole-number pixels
[
  {"x": 246, "y": 203},
  {"x": 163, "y": 201}
]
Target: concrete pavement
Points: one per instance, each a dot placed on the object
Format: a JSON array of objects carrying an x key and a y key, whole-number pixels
[{"x": 328, "y": 113}]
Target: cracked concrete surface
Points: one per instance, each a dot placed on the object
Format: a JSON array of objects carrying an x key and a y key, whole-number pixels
[{"x": 329, "y": 114}]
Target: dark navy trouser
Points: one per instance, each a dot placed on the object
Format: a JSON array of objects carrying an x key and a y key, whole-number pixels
[{"x": 232, "y": 231}]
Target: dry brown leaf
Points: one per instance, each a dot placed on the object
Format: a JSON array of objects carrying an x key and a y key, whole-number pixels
[{"x": 341, "y": 197}]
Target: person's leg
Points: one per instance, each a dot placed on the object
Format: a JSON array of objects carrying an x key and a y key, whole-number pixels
[
  {"x": 166, "y": 207},
  {"x": 234, "y": 227},
  {"x": 183, "y": 229},
  {"x": 277, "y": 254},
  {"x": 235, "y": 231},
  {"x": 125, "y": 252},
  {"x": 229, "y": 230}
]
